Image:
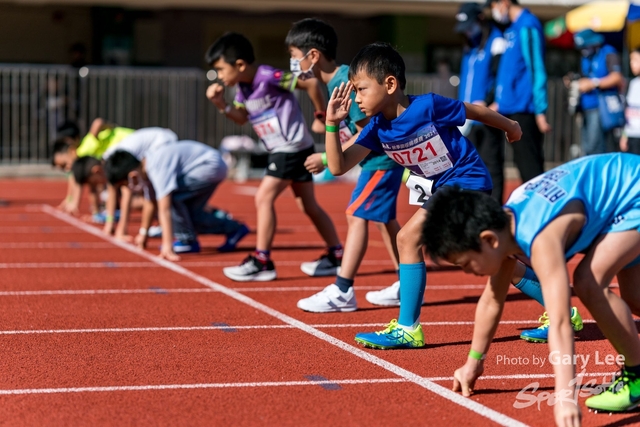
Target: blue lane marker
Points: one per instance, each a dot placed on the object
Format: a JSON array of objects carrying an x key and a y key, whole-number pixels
[
  {"x": 225, "y": 327},
  {"x": 110, "y": 264},
  {"x": 159, "y": 290},
  {"x": 74, "y": 245},
  {"x": 324, "y": 385}
]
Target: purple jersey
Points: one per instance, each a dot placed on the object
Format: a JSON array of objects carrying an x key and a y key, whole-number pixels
[{"x": 274, "y": 111}]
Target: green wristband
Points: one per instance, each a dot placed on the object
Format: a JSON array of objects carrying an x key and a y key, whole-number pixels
[
  {"x": 324, "y": 159},
  {"x": 476, "y": 355},
  {"x": 331, "y": 128}
]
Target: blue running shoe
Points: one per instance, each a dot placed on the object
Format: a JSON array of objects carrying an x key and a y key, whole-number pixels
[
  {"x": 541, "y": 333},
  {"x": 186, "y": 247},
  {"x": 233, "y": 239},
  {"x": 393, "y": 337}
]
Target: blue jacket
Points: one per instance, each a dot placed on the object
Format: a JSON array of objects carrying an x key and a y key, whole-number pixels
[
  {"x": 476, "y": 79},
  {"x": 596, "y": 67},
  {"x": 522, "y": 79}
]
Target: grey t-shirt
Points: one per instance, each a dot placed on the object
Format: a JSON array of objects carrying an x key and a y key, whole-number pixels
[
  {"x": 142, "y": 142},
  {"x": 180, "y": 166}
]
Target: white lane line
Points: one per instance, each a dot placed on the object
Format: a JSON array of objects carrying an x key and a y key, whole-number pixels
[
  {"x": 439, "y": 390},
  {"x": 160, "y": 387},
  {"x": 188, "y": 290},
  {"x": 55, "y": 245},
  {"x": 106, "y": 264},
  {"x": 242, "y": 327},
  {"x": 42, "y": 229}
]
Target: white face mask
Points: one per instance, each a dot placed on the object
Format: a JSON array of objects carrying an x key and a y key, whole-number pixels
[
  {"x": 296, "y": 69},
  {"x": 499, "y": 17}
]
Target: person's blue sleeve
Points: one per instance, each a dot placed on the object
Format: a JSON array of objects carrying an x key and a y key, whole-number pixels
[
  {"x": 368, "y": 137},
  {"x": 533, "y": 52},
  {"x": 447, "y": 111}
]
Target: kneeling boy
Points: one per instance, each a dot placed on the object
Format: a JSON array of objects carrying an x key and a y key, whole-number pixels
[
  {"x": 183, "y": 176},
  {"x": 590, "y": 206}
]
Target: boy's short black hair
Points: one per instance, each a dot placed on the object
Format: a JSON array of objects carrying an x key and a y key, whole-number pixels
[
  {"x": 118, "y": 166},
  {"x": 231, "y": 47},
  {"x": 379, "y": 60},
  {"x": 60, "y": 146},
  {"x": 455, "y": 219},
  {"x": 68, "y": 129},
  {"x": 81, "y": 168},
  {"x": 312, "y": 33}
]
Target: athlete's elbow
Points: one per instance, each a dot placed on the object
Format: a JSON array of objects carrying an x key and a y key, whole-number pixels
[{"x": 337, "y": 170}]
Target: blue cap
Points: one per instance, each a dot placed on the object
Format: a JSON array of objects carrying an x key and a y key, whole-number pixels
[{"x": 587, "y": 38}]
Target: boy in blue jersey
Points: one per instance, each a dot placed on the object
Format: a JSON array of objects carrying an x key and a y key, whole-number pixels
[
  {"x": 312, "y": 44},
  {"x": 420, "y": 133},
  {"x": 591, "y": 206}
]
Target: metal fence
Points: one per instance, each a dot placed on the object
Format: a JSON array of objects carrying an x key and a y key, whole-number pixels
[{"x": 36, "y": 99}]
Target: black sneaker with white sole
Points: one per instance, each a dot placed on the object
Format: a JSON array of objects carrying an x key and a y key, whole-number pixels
[{"x": 251, "y": 270}]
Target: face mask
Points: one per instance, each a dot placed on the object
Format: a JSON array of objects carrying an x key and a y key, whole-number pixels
[
  {"x": 296, "y": 69},
  {"x": 499, "y": 17},
  {"x": 474, "y": 35},
  {"x": 588, "y": 51}
]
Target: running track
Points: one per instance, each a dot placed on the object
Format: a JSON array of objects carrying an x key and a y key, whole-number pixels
[{"x": 94, "y": 332}]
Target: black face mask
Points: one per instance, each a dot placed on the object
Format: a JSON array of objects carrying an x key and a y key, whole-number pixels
[
  {"x": 474, "y": 35},
  {"x": 588, "y": 52}
]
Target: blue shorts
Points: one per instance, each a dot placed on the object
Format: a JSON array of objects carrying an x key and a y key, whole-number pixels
[{"x": 376, "y": 195}]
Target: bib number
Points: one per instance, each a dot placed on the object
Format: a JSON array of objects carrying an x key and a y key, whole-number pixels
[
  {"x": 344, "y": 133},
  {"x": 430, "y": 156},
  {"x": 419, "y": 190},
  {"x": 267, "y": 127}
]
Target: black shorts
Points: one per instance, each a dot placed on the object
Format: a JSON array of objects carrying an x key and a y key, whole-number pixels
[{"x": 290, "y": 166}]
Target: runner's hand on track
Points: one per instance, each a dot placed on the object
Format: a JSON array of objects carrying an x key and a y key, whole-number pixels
[
  {"x": 464, "y": 378},
  {"x": 567, "y": 413},
  {"x": 168, "y": 254},
  {"x": 339, "y": 103}
]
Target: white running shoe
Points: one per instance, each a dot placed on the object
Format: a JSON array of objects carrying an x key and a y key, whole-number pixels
[
  {"x": 154, "y": 231},
  {"x": 251, "y": 270},
  {"x": 388, "y": 296},
  {"x": 330, "y": 300}
]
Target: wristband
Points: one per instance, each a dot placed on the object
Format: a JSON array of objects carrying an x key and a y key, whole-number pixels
[
  {"x": 320, "y": 115},
  {"x": 476, "y": 355},
  {"x": 324, "y": 159},
  {"x": 142, "y": 231},
  {"x": 226, "y": 109},
  {"x": 596, "y": 82},
  {"x": 331, "y": 128},
  {"x": 108, "y": 218}
]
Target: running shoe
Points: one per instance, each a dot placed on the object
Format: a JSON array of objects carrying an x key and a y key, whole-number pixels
[
  {"x": 389, "y": 296},
  {"x": 393, "y": 337},
  {"x": 251, "y": 270},
  {"x": 327, "y": 265},
  {"x": 155, "y": 231},
  {"x": 233, "y": 239},
  {"x": 180, "y": 247},
  {"x": 541, "y": 333},
  {"x": 330, "y": 300},
  {"x": 622, "y": 395}
]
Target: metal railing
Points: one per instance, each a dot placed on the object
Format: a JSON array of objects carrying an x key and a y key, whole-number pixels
[{"x": 36, "y": 99}]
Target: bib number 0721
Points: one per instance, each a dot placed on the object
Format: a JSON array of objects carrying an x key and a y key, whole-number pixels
[{"x": 415, "y": 155}]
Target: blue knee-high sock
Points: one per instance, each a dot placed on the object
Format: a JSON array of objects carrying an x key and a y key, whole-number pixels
[
  {"x": 530, "y": 285},
  {"x": 413, "y": 281}
]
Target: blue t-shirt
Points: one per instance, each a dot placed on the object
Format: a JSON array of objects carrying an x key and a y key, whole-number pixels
[
  {"x": 596, "y": 67},
  {"x": 425, "y": 139},
  {"x": 373, "y": 161},
  {"x": 606, "y": 184}
]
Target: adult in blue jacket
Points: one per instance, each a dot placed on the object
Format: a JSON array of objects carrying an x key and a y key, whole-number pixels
[
  {"x": 521, "y": 83},
  {"x": 601, "y": 73},
  {"x": 484, "y": 45}
]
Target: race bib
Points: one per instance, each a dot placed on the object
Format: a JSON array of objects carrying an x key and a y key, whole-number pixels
[
  {"x": 267, "y": 127},
  {"x": 419, "y": 189},
  {"x": 425, "y": 153},
  {"x": 345, "y": 133}
]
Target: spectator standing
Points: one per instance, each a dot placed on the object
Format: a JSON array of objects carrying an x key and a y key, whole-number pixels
[
  {"x": 601, "y": 71},
  {"x": 521, "y": 83},
  {"x": 630, "y": 140},
  {"x": 484, "y": 45}
]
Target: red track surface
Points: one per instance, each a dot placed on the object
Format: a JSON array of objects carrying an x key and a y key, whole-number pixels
[{"x": 93, "y": 334}]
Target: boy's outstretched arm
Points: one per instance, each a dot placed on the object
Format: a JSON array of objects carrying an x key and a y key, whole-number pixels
[
  {"x": 148, "y": 209},
  {"x": 125, "y": 210},
  {"x": 164, "y": 215},
  {"x": 110, "y": 208},
  {"x": 488, "y": 313},
  {"x": 318, "y": 99},
  {"x": 339, "y": 161},
  {"x": 491, "y": 118},
  {"x": 215, "y": 94},
  {"x": 548, "y": 262}
]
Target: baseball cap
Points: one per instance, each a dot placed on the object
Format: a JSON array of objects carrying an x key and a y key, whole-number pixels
[{"x": 466, "y": 16}]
